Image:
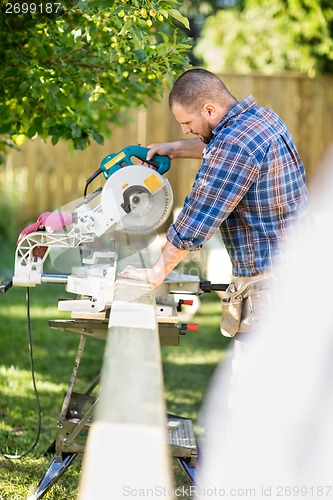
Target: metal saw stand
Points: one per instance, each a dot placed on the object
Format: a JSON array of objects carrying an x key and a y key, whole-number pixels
[{"x": 77, "y": 410}]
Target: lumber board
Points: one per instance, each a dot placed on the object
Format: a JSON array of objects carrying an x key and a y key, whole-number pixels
[{"x": 127, "y": 443}]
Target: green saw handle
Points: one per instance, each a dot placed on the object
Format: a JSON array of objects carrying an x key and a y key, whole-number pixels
[{"x": 114, "y": 162}]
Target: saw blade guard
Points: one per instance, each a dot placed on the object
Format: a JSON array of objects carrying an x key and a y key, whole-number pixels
[{"x": 138, "y": 198}]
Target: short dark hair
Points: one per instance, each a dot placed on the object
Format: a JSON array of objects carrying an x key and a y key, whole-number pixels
[{"x": 196, "y": 87}]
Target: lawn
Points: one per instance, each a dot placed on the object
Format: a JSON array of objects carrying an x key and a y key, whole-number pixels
[{"x": 187, "y": 371}]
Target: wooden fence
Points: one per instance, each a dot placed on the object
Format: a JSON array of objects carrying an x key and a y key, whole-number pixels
[{"x": 45, "y": 177}]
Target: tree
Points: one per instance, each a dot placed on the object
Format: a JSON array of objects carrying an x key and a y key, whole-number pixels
[
  {"x": 197, "y": 11},
  {"x": 69, "y": 71},
  {"x": 292, "y": 35}
]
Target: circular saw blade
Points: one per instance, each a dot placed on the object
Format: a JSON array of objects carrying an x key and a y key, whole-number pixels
[{"x": 138, "y": 198}]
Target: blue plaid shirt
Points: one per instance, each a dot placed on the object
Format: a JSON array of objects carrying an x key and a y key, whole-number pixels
[{"x": 251, "y": 186}]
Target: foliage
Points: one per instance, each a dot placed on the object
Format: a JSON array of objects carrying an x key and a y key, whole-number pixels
[
  {"x": 197, "y": 11},
  {"x": 69, "y": 75},
  {"x": 292, "y": 35}
]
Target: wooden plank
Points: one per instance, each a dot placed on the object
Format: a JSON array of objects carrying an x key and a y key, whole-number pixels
[
  {"x": 305, "y": 132},
  {"x": 320, "y": 113},
  {"x": 328, "y": 117},
  {"x": 127, "y": 445},
  {"x": 133, "y": 463}
]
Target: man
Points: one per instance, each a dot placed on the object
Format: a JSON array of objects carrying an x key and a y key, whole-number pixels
[
  {"x": 250, "y": 186},
  {"x": 278, "y": 431}
]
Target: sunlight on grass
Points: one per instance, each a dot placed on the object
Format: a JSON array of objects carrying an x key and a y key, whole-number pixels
[
  {"x": 17, "y": 482},
  {"x": 20, "y": 311},
  {"x": 210, "y": 307},
  {"x": 18, "y": 381},
  {"x": 211, "y": 357}
]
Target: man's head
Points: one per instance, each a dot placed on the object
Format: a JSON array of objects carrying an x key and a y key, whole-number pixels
[{"x": 199, "y": 100}]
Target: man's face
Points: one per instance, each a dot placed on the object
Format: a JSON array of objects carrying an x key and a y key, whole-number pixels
[{"x": 197, "y": 124}]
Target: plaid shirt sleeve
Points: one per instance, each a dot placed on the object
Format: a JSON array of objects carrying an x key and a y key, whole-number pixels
[{"x": 225, "y": 176}]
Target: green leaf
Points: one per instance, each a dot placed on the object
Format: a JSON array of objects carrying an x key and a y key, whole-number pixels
[
  {"x": 76, "y": 130},
  {"x": 127, "y": 26},
  {"x": 182, "y": 19},
  {"x": 97, "y": 137},
  {"x": 5, "y": 128},
  {"x": 55, "y": 139}
]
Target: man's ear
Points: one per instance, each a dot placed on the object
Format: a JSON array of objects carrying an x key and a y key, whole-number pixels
[
  {"x": 213, "y": 113},
  {"x": 210, "y": 109}
]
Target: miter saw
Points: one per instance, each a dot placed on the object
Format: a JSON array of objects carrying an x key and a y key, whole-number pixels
[{"x": 134, "y": 201}]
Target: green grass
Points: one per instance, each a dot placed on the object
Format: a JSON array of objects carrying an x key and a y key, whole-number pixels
[{"x": 187, "y": 371}]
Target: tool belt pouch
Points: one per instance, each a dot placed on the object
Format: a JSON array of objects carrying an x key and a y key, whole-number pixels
[
  {"x": 256, "y": 307},
  {"x": 243, "y": 308},
  {"x": 232, "y": 305}
]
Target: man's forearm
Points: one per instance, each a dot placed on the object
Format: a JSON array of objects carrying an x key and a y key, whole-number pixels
[
  {"x": 171, "y": 256},
  {"x": 189, "y": 148},
  {"x": 184, "y": 148}
]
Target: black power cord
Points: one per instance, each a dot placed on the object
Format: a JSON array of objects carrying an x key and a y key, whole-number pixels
[
  {"x": 32, "y": 368},
  {"x": 91, "y": 178}
]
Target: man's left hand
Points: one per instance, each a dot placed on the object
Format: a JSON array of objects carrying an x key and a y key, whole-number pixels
[{"x": 147, "y": 275}]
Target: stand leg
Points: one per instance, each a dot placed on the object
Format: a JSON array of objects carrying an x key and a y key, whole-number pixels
[
  {"x": 78, "y": 358},
  {"x": 55, "y": 470},
  {"x": 190, "y": 471}
]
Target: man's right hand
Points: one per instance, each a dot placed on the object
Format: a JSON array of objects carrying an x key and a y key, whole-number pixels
[
  {"x": 184, "y": 148},
  {"x": 163, "y": 149}
]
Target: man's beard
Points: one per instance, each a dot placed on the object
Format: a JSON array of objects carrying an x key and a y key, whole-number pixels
[{"x": 207, "y": 133}]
